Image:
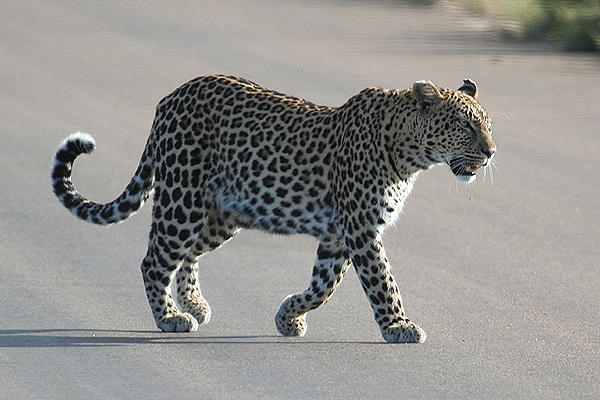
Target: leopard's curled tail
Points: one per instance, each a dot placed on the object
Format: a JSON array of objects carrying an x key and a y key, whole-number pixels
[{"x": 133, "y": 197}]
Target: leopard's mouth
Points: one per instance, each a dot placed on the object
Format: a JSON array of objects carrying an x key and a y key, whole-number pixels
[{"x": 463, "y": 170}]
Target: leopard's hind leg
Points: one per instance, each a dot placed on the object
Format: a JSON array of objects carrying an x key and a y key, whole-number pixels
[
  {"x": 165, "y": 254},
  {"x": 213, "y": 234}
]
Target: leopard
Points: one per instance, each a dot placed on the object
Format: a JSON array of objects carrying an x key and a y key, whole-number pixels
[{"x": 226, "y": 154}]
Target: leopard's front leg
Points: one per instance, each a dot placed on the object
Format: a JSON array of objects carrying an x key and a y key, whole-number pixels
[
  {"x": 373, "y": 269},
  {"x": 330, "y": 266}
]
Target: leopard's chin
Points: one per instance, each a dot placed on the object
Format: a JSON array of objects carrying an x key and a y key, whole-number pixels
[{"x": 466, "y": 177}]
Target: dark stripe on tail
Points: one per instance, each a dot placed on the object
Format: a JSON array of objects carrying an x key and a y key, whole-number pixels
[{"x": 132, "y": 198}]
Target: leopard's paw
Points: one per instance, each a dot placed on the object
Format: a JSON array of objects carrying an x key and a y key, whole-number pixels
[
  {"x": 290, "y": 327},
  {"x": 198, "y": 308},
  {"x": 404, "y": 332},
  {"x": 178, "y": 323}
]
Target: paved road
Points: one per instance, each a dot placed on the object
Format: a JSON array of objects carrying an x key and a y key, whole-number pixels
[{"x": 503, "y": 274}]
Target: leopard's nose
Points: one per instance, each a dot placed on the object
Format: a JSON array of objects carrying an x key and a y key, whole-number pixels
[
  {"x": 489, "y": 152},
  {"x": 488, "y": 147}
]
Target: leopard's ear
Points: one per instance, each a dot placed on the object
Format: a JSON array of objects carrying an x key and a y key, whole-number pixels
[
  {"x": 427, "y": 95},
  {"x": 469, "y": 87}
]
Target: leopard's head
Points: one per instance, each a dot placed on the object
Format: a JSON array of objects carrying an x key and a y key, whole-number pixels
[{"x": 457, "y": 130}]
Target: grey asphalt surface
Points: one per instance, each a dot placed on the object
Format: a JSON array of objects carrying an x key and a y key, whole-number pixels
[{"x": 502, "y": 274}]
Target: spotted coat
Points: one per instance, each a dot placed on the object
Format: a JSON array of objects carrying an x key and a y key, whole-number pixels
[{"x": 225, "y": 153}]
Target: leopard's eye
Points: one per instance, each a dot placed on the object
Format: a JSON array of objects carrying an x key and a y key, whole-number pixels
[{"x": 463, "y": 123}]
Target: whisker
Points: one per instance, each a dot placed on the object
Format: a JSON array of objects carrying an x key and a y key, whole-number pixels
[
  {"x": 494, "y": 165},
  {"x": 491, "y": 168},
  {"x": 500, "y": 113},
  {"x": 487, "y": 169},
  {"x": 456, "y": 161}
]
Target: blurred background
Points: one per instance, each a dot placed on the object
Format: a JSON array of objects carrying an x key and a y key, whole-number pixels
[{"x": 573, "y": 24}]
